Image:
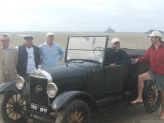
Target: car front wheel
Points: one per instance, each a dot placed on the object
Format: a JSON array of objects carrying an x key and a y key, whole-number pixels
[
  {"x": 13, "y": 107},
  {"x": 76, "y": 112},
  {"x": 1, "y": 100},
  {"x": 151, "y": 97}
]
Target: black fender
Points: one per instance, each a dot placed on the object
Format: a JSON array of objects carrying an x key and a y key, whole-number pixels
[
  {"x": 8, "y": 86},
  {"x": 62, "y": 100},
  {"x": 11, "y": 86}
]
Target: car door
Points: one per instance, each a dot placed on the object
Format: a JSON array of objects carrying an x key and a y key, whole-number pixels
[
  {"x": 95, "y": 82},
  {"x": 114, "y": 78}
]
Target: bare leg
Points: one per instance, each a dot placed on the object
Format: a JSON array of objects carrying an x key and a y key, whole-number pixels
[
  {"x": 141, "y": 79},
  {"x": 162, "y": 112}
]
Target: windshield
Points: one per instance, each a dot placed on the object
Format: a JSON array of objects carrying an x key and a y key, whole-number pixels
[{"x": 86, "y": 48}]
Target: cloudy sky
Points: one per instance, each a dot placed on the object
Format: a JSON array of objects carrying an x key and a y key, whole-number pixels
[{"x": 81, "y": 15}]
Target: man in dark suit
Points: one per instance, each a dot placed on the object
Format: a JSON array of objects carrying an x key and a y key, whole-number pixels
[{"x": 28, "y": 57}]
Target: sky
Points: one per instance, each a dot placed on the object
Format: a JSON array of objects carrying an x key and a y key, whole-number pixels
[{"x": 81, "y": 15}]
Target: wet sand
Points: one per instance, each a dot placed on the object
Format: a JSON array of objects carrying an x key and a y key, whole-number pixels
[{"x": 125, "y": 114}]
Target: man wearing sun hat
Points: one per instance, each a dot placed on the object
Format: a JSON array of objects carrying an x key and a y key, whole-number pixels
[
  {"x": 28, "y": 57},
  {"x": 154, "y": 57},
  {"x": 51, "y": 52},
  {"x": 115, "y": 55}
]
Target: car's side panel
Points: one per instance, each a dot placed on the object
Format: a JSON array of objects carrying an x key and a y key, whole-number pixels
[
  {"x": 114, "y": 79},
  {"x": 132, "y": 81},
  {"x": 95, "y": 83},
  {"x": 62, "y": 100}
]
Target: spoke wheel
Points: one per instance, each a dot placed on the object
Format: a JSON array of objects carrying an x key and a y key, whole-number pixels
[
  {"x": 76, "y": 117},
  {"x": 151, "y": 97},
  {"x": 14, "y": 108},
  {"x": 76, "y": 112}
]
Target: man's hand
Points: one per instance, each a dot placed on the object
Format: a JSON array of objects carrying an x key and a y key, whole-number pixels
[
  {"x": 113, "y": 65},
  {"x": 135, "y": 61}
]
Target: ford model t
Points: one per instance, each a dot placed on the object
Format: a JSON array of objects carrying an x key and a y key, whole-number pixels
[{"x": 71, "y": 92}]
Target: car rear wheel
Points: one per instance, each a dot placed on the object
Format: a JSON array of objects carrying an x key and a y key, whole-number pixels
[
  {"x": 76, "y": 112},
  {"x": 151, "y": 97},
  {"x": 13, "y": 107}
]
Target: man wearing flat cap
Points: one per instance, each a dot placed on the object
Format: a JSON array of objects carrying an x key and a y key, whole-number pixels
[
  {"x": 51, "y": 52},
  {"x": 28, "y": 57}
]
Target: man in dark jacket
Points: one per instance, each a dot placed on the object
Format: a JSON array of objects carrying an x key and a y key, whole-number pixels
[
  {"x": 28, "y": 57},
  {"x": 116, "y": 56}
]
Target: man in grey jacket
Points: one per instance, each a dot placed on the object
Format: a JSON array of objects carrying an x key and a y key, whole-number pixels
[{"x": 8, "y": 60}]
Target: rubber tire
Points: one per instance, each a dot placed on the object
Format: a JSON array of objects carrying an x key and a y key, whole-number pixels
[
  {"x": 147, "y": 105},
  {"x": 1, "y": 101},
  {"x": 3, "y": 113},
  {"x": 77, "y": 104}
]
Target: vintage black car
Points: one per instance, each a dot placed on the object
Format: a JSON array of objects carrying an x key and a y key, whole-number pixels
[{"x": 71, "y": 92}]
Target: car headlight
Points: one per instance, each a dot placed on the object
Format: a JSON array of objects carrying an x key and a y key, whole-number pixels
[
  {"x": 52, "y": 90},
  {"x": 20, "y": 82}
]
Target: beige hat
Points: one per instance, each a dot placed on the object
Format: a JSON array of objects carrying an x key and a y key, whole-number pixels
[
  {"x": 49, "y": 33},
  {"x": 114, "y": 40},
  {"x": 155, "y": 33}
]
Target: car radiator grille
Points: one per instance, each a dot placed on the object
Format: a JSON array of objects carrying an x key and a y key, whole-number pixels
[{"x": 38, "y": 92}]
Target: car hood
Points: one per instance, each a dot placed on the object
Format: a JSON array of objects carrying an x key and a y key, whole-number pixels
[
  {"x": 72, "y": 70},
  {"x": 72, "y": 76}
]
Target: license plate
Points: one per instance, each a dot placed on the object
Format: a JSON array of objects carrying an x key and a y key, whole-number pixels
[{"x": 39, "y": 108}]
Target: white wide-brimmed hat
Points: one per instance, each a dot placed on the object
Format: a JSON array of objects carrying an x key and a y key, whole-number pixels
[
  {"x": 49, "y": 33},
  {"x": 114, "y": 40},
  {"x": 155, "y": 33}
]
